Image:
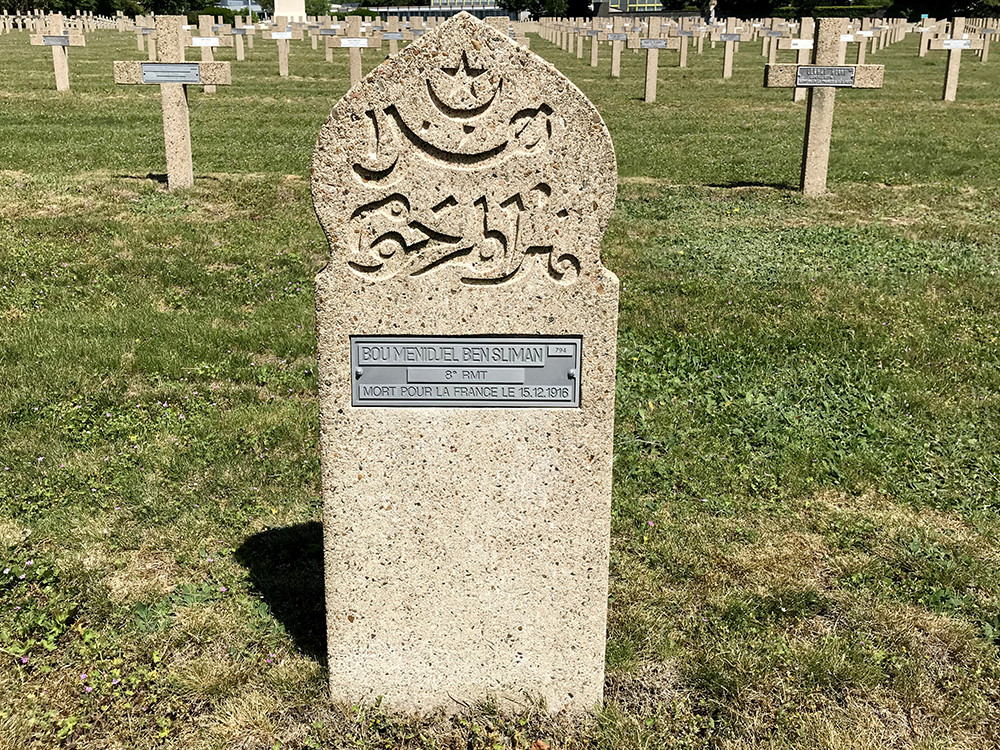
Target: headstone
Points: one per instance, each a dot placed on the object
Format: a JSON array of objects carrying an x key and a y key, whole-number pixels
[
  {"x": 822, "y": 78},
  {"x": 467, "y": 335},
  {"x": 173, "y": 76}
]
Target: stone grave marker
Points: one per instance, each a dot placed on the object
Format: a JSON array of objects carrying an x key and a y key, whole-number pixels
[
  {"x": 954, "y": 45},
  {"x": 466, "y": 343},
  {"x": 173, "y": 75},
  {"x": 984, "y": 52},
  {"x": 617, "y": 38},
  {"x": 355, "y": 42},
  {"x": 393, "y": 34},
  {"x": 207, "y": 41},
  {"x": 56, "y": 36},
  {"x": 594, "y": 32},
  {"x": 822, "y": 78},
  {"x": 282, "y": 36},
  {"x": 652, "y": 43},
  {"x": 732, "y": 38}
]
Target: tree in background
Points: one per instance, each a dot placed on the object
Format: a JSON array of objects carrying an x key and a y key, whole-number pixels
[
  {"x": 539, "y": 8},
  {"x": 317, "y": 7}
]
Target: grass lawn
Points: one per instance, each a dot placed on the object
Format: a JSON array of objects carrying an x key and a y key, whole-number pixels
[{"x": 807, "y": 456}]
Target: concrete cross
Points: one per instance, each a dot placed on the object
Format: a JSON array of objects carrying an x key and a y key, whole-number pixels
[
  {"x": 617, "y": 37},
  {"x": 652, "y": 43},
  {"x": 58, "y": 39},
  {"x": 731, "y": 37},
  {"x": 173, "y": 74},
  {"x": 392, "y": 34},
  {"x": 594, "y": 32},
  {"x": 207, "y": 41},
  {"x": 355, "y": 42},
  {"x": 822, "y": 78},
  {"x": 282, "y": 35},
  {"x": 984, "y": 53},
  {"x": 954, "y": 45},
  {"x": 247, "y": 33}
]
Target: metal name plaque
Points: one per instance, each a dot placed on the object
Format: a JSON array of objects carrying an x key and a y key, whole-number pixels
[
  {"x": 956, "y": 44},
  {"x": 730, "y": 37},
  {"x": 813, "y": 76},
  {"x": 328, "y": 32},
  {"x": 773, "y": 34},
  {"x": 652, "y": 44},
  {"x": 505, "y": 372},
  {"x": 417, "y": 32},
  {"x": 238, "y": 32},
  {"x": 392, "y": 36},
  {"x": 353, "y": 42},
  {"x": 684, "y": 32},
  {"x": 204, "y": 41},
  {"x": 593, "y": 33},
  {"x": 281, "y": 35},
  {"x": 801, "y": 43},
  {"x": 55, "y": 41},
  {"x": 617, "y": 37},
  {"x": 170, "y": 73}
]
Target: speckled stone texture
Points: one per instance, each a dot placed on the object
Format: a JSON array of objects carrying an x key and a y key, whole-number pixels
[{"x": 464, "y": 187}]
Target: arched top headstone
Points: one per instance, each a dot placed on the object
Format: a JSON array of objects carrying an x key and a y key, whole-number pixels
[{"x": 465, "y": 158}]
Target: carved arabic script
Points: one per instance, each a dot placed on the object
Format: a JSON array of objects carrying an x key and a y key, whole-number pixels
[{"x": 459, "y": 177}]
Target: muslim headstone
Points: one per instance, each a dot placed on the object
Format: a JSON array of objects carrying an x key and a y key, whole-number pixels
[{"x": 467, "y": 334}]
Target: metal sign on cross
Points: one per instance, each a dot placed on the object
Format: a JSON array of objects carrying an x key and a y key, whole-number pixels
[
  {"x": 173, "y": 75},
  {"x": 823, "y": 77}
]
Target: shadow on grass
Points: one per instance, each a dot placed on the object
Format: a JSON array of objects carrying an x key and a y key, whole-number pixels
[
  {"x": 286, "y": 567},
  {"x": 153, "y": 176},
  {"x": 749, "y": 184}
]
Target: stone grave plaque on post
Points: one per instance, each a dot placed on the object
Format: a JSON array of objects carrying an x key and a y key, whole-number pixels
[{"x": 467, "y": 333}]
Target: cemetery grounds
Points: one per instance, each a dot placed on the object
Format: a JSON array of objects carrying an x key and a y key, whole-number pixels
[{"x": 807, "y": 454}]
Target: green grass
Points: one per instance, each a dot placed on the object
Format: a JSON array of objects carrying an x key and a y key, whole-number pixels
[{"x": 807, "y": 453}]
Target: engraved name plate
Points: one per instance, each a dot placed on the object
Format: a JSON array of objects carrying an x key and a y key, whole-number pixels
[
  {"x": 809, "y": 76},
  {"x": 353, "y": 42},
  {"x": 55, "y": 41},
  {"x": 652, "y": 44},
  {"x": 730, "y": 37},
  {"x": 393, "y": 36},
  {"x": 466, "y": 371},
  {"x": 617, "y": 37},
  {"x": 956, "y": 44},
  {"x": 170, "y": 73}
]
